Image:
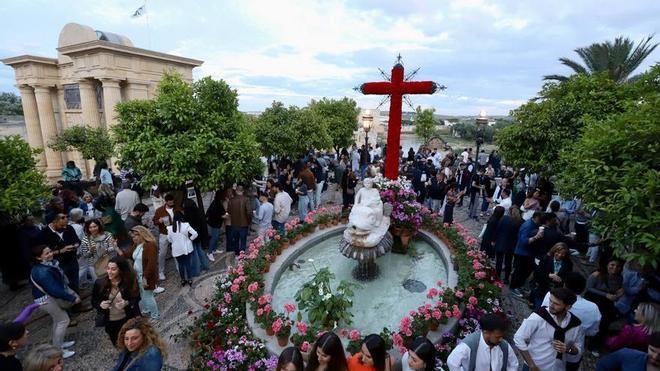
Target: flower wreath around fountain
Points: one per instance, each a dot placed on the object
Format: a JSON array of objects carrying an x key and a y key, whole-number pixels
[{"x": 221, "y": 339}]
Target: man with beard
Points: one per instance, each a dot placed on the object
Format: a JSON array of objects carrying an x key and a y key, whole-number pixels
[
  {"x": 550, "y": 335},
  {"x": 484, "y": 350}
]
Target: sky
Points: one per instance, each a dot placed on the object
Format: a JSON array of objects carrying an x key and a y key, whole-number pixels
[{"x": 491, "y": 55}]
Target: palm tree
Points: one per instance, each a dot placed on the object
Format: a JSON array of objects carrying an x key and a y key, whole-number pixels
[{"x": 619, "y": 59}]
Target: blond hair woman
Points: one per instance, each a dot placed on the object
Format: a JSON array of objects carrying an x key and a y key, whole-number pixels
[{"x": 144, "y": 252}]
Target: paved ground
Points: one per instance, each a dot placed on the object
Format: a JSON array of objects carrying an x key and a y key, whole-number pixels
[{"x": 93, "y": 348}]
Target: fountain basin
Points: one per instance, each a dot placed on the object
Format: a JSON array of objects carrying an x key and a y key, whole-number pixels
[{"x": 401, "y": 287}]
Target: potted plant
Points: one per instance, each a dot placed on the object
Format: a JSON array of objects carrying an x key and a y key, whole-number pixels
[
  {"x": 281, "y": 326},
  {"x": 326, "y": 307},
  {"x": 304, "y": 337}
]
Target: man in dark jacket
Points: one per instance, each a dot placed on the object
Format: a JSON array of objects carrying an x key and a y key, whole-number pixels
[
  {"x": 240, "y": 214},
  {"x": 61, "y": 238}
]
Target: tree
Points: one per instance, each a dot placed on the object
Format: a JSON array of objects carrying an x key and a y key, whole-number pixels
[
  {"x": 340, "y": 117},
  {"x": 187, "y": 133},
  {"x": 23, "y": 185},
  {"x": 10, "y": 104},
  {"x": 274, "y": 129},
  {"x": 617, "y": 163},
  {"x": 618, "y": 59},
  {"x": 424, "y": 124},
  {"x": 467, "y": 130},
  {"x": 92, "y": 143},
  {"x": 543, "y": 127},
  {"x": 291, "y": 131}
]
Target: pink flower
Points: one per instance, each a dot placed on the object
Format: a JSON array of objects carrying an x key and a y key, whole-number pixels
[
  {"x": 437, "y": 315},
  {"x": 439, "y": 283},
  {"x": 227, "y": 298},
  {"x": 277, "y": 237},
  {"x": 304, "y": 346},
  {"x": 302, "y": 327},
  {"x": 404, "y": 325},
  {"x": 268, "y": 308},
  {"x": 480, "y": 275},
  {"x": 260, "y": 312},
  {"x": 447, "y": 313},
  {"x": 499, "y": 284},
  {"x": 473, "y": 300},
  {"x": 456, "y": 313},
  {"x": 234, "y": 288},
  {"x": 277, "y": 325},
  {"x": 343, "y": 332},
  {"x": 412, "y": 313},
  {"x": 481, "y": 286},
  {"x": 354, "y": 335},
  {"x": 253, "y": 287},
  {"x": 289, "y": 307},
  {"x": 432, "y": 293},
  {"x": 459, "y": 294}
]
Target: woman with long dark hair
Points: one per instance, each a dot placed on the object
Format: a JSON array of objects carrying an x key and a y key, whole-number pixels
[
  {"x": 348, "y": 183},
  {"x": 372, "y": 356},
  {"x": 327, "y": 354},
  {"x": 290, "y": 360},
  {"x": 551, "y": 272},
  {"x": 95, "y": 244},
  {"x": 180, "y": 234},
  {"x": 506, "y": 236},
  {"x": 13, "y": 336},
  {"x": 605, "y": 287},
  {"x": 489, "y": 236},
  {"x": 116, "y": 297},
  {"x": 420, "y": 356},
  {"x": 195, "y": 217}
]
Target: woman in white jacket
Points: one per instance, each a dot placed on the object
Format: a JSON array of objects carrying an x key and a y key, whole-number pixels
[{"x": 180, "y": 234}]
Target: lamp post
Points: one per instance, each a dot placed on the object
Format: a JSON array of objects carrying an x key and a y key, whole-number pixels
[
  {"x": 481, "y": 121},
  {"x": 367, "y": 124}
]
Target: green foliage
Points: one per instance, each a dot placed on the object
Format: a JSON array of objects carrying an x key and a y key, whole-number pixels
[
  {"x": 92, "y": 143},
  {"x": 424, "y": 124},
  {"x": 291, "y": 131},
  {"x": 188, "y": 133},
  {"x": 10, "y": 104},
  {"x": 618, "y": 60},
  {"x": 325, "y": 307},
  {"x": 23, "y": 185},
  {"x": 544, "y": 127},
  {"x": 617, "y": 163},
  {"x": 468, "y": 130},
  {"x": 340, "y": 117}
]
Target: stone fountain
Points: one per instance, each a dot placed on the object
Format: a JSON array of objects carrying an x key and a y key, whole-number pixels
[{"x": 366, "y": 236}]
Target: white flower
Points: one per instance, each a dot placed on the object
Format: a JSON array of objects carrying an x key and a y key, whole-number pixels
[{"x": 327, "y": 296}]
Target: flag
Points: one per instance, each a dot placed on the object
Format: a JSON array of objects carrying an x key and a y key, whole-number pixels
[{"x": 139, "y": 12}]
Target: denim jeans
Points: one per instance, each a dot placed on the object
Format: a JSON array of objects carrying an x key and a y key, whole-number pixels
[
  {"x": 229, "y": 238},
  {"x": 215, "y": 239},
  {"x": 185, "y": 265},
  {"x": 239, "y": 238},
  {"x": 163, "y": 246},
  {"x": 278, "y": 226},
  {"x": 317, "y": 194},
  {"x": 303, "y": 202},
  {"x": 147, "y": 301}
]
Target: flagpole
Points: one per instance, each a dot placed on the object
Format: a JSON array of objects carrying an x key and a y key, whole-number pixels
[{"x": 148, "y": 29}]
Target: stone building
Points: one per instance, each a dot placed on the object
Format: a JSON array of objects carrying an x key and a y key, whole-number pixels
[{"x": 94, "y": 70}]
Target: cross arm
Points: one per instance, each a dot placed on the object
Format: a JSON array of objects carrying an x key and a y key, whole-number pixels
[
  {"x": 419, "y": 87},
  {"x": 380, "y": 88}
]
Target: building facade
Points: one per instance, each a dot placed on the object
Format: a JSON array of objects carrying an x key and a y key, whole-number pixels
[{"x": 93, "y": 72}]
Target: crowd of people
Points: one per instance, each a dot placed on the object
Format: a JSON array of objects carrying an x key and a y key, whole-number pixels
[{"x": 99, "y": 239}]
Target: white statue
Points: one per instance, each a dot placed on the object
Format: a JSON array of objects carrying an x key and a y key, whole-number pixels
[{"x": 366, "y": 224}]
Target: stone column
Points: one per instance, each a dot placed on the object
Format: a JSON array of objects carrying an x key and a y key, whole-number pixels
[
  {"x": 48, "y": 129},
  {"x": 90, "y": 107},
  {"x": 137, "y": 90},
  {"x": 31, "y": 116},
  {"x": 111, "y": 96},
  {"x": 90, "y": 111}
]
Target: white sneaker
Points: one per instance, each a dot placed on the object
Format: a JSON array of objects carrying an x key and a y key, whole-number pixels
[
  {"x": 161, "y": 276},
  {"x": 211, "y": 257},
  {"x": 68, "y": 344},
  {"x": 159, "y": 289},
  {"x": 67, "y": 353}
]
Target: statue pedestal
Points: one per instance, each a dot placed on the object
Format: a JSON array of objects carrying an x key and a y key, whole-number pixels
[{"x": 402, "y": 239}]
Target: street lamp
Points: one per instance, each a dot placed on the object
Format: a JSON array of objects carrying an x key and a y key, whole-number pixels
[
  {"x": 481, "y": 122},
  {"x": 367, "y": 124}
]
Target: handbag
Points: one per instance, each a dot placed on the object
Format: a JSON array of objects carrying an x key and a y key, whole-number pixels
[
  {"x": 350, "y": 191},
  {"x": 100, "y": 264},
  {"x": 64, "y": 304},
  {"x": 99, "y": 319}
]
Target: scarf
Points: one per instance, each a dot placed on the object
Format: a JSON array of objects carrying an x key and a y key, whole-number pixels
[{"x": 560, "y": 332}]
